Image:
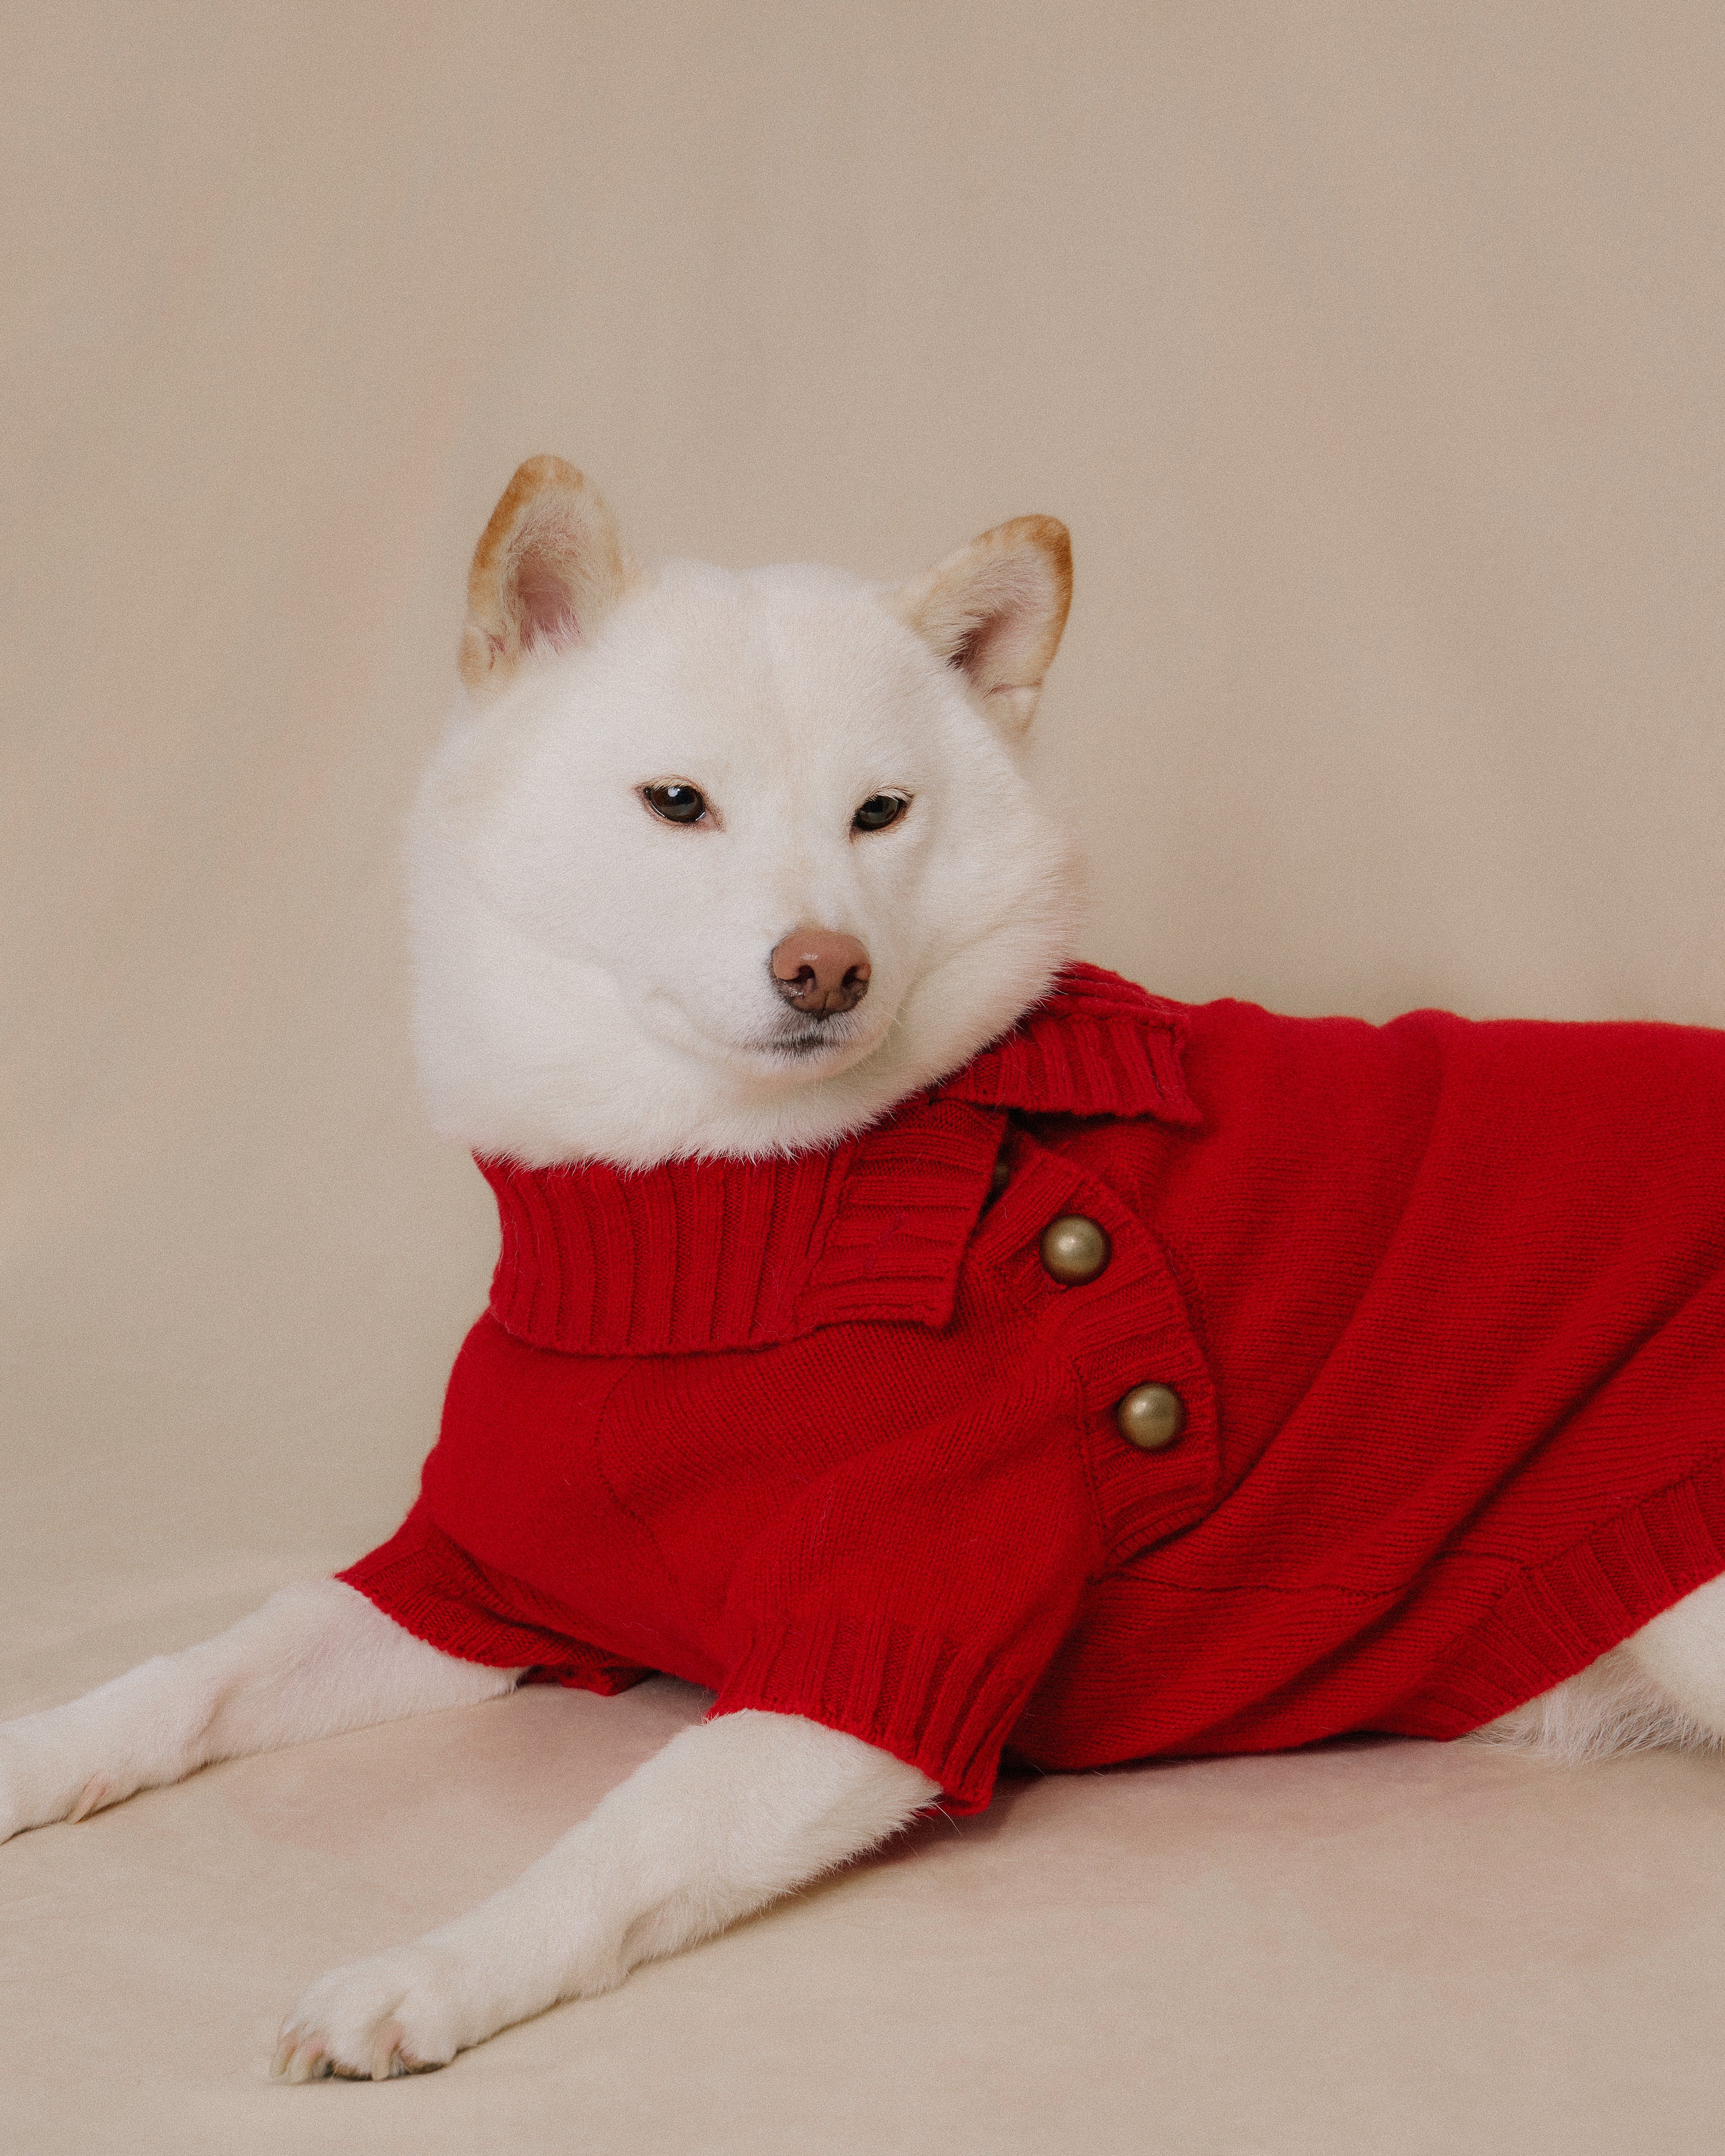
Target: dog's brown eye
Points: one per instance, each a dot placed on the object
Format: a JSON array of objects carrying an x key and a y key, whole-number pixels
[
  {"x": 878, "y": 811},
  {"x": 676, "y": 803}
]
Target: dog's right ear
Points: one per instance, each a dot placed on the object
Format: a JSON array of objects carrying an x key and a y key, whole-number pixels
[
  {"x": 994, "y": 611},
  {"x": 548, "y": 566}
]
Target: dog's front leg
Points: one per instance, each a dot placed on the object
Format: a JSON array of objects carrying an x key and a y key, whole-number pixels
[
  {"x": 316, "y": 1660},
  {"x": 728, "y": 1817}
]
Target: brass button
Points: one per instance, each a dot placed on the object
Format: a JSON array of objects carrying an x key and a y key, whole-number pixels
[
  {"x": 1150, "y": 1417},
  {"x": 1074, "y": 1250},
  {"x": 999, "y": 1180}
]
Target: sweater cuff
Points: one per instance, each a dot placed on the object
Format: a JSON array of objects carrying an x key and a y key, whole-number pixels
[{"x": 946, "y": 1710}]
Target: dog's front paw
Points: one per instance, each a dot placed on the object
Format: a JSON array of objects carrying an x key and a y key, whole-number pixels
[
  {"x": 43, "y": 1778},
  {"x": 403, "y": 2012}
]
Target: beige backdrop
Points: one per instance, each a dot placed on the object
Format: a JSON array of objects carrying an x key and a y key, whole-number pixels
[{"x": 1374, "y": 354}]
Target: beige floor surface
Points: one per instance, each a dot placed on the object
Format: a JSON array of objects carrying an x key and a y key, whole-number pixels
[
  {"x": 1401, "y": 1947},
  {"x": 1376, "y": 356}
]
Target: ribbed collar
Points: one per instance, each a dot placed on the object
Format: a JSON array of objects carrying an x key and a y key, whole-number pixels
[{"x": 725, "y": 1252}]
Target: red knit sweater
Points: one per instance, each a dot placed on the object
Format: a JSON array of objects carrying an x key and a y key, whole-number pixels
[{"x": 1444, "y": 1303}]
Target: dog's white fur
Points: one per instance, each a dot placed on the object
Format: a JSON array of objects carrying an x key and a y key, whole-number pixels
[{"x": 591, "y": 982}]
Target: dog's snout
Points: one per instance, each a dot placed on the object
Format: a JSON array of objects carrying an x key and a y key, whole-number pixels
[{"x": 820, "y": 972}]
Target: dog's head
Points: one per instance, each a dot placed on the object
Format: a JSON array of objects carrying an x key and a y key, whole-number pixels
[{"x": 721, "y": 863}]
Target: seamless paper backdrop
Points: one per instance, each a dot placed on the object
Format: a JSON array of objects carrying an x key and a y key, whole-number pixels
[{"x": 1375, "y": 356}]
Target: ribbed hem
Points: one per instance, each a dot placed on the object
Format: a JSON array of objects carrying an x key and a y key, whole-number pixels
[
  {"x": 932, "y": 1705},
  {"x": 1559, "y": 1616},
  {"x": 601, "y": 1259},
  {"x": 696, "y": 1255},
  {"x": 432, "y": 1589}
]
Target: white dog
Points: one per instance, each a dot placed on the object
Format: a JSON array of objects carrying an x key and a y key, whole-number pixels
[{"x": 710, "y": 867}]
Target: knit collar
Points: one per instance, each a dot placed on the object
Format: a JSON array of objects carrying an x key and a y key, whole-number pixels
[{"x": 723, "y": 1253}]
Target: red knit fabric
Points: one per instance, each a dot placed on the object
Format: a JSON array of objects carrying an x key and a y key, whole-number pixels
[{"x": 1445, "y": 1302}]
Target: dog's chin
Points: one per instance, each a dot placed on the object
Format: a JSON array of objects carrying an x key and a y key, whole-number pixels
[
  {"x": 790, "y": 1051},
  {"x": 819, "y": 1051},
  {"x": 812, "y": 1049}
]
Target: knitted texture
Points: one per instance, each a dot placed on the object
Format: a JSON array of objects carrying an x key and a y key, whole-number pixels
[{"x": 1444, "y": 1301}]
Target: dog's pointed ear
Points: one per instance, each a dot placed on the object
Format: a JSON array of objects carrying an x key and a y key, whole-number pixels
[
  {"x": 549, "y": 567},
  {"x": 995, "y": 610}
]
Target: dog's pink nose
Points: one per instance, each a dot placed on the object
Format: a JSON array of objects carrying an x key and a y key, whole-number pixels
[{"x": 817, "y": 971}]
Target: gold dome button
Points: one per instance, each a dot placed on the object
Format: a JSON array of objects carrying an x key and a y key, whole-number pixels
[
  {"x": 1074, "y": 1250},
  {"x": 1150, "y": 1417}
]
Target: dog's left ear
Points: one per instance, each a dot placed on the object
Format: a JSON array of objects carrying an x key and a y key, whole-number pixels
[
  {"x": 995, "y": 610},
  {"x": 548, "y": 566}
]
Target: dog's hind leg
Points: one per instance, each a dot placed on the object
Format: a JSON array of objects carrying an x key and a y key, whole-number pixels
[
  {"x": 1662, "y": 1687},
  {"x": 1682, "y": 1652},
  {"x": 316, "y": 1660}
]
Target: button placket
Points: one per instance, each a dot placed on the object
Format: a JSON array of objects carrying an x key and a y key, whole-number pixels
[{"x": 1123, "y": 1329}]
